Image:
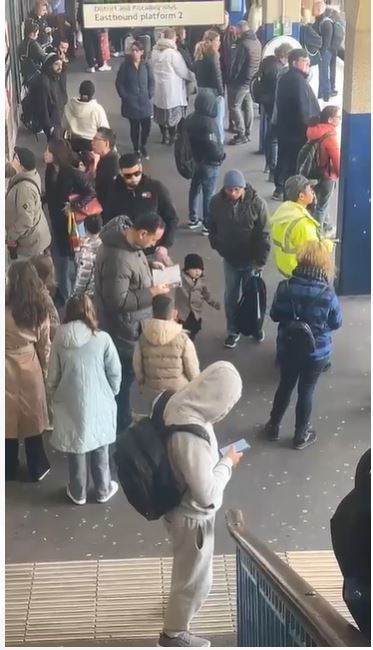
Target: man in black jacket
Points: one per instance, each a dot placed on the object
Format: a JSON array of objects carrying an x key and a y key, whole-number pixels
[
  {"x": 324, "y": 27},
  {"x": 239, "y": 232},
  {"x": 246, "y": 56},
  {"x": 296, "y": 104},
  {"x": 208, "y": 154},
  {"x": 49, "y": 95},
  {"x": 134, "y": 193},
  {"x": 124, "y": 291},
  {"x": 107, "y": 169}
]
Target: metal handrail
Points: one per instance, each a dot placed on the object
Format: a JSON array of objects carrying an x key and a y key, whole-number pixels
[{"x": 322, "y": 622}]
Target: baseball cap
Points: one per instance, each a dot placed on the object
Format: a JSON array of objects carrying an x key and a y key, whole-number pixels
[
  {"x": 25, "y": 157},
  {"x": 297, "y": 184}
]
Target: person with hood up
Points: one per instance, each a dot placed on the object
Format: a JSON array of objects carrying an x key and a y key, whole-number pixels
[
  {"x": 202, "y": 477},
  {"x": 49, "y": 96},
  {"x": 325, "y": 130},
  {"x": 82, "y": 117},
  {"x": 292, "y": 225},
  {"x": 208, "y": 154},
  {"x": 26, "y": 226},
  {"x": 246, "y": 56},
  {"x": 124, "y": 291},
  {"x": 238, "y": 231},
  {"x": 165, "y": 358},
  {"x": 170, "y": 77},
  {"x": 83, "y": 365}
]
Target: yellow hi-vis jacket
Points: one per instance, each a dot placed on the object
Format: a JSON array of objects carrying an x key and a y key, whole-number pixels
[{"x": 291, "y": 227}]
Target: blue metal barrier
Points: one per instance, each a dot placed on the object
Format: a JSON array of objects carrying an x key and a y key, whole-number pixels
[{"x": 276, "y": 608}]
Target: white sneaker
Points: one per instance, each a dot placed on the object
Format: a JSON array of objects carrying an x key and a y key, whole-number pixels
[
  {"x": 78, "y": 502},
  {"x": 90, "y": 70},
  {"x": 104, "y": 67},
  {"x": 115, "y": 55},
  {"x": 45, "y": 474},
  {"x": 113, "y": 490}
]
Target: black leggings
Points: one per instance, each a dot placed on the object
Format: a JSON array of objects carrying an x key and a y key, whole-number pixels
[
  {"x": 135, "y": 127},
  {"x": 36, "y": 458},
  {"x": 91, "y": 44}
]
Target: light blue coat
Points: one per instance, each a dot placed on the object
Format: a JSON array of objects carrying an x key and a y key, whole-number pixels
[{"x": 84, "y": 375}]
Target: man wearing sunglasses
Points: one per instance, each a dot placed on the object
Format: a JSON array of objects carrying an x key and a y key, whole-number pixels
[{"x": 135, "y": 193}]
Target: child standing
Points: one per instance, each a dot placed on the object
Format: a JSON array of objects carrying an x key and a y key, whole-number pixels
[
  {"x": 83, "y": 378},
  {"x": 164, "y": 357},
  {"x": 86, "y": 258},
  {"x": 190, "y": 296}
]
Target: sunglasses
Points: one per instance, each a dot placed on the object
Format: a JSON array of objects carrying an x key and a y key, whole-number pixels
[{"x": 132, "y": 174}]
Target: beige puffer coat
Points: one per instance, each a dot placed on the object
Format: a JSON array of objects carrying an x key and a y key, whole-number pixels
[{"x": 164, "y": 358}]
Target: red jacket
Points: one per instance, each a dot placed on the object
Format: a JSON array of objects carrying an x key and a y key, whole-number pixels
[{"x": 329, "y": 149}]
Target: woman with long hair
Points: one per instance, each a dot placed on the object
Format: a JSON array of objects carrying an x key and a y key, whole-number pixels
[
  {"x": 208, "y": 72},
  {"x": 307, "y": 311},
  {"x": 135, "y": 87},
  {"x": 27, "y": 347},
  {"x": 62, "y": 180},
  {"x": 84, "y": 376}
]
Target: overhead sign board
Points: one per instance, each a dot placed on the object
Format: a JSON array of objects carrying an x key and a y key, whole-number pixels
[{"x": 153, "y": 14}]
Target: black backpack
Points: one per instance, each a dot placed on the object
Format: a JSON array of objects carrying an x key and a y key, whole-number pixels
[
  {"x": 143, "y": 466},
  {"x": 308, "y": 161},
  {"x": 339, "y": 30},
  {"x": 252, "y": 306},
  {"x": 29, "y": 69},
  {"x": 298, "y": 337},
  {"x": 257, "y": 87},
  {"x": 183, "y": 152},
  {"x": 28, "y": 117}
]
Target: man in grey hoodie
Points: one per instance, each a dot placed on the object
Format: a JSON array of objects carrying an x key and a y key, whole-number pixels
[{"x": 203, "y": 477}]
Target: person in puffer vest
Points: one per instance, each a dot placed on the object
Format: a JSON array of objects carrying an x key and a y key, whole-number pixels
[{"x": 165, "y": 357}]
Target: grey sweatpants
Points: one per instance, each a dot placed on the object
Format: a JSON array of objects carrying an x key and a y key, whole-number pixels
[
  {"x": 193, "y": 552},
  {"x": 79, "y": 473}
]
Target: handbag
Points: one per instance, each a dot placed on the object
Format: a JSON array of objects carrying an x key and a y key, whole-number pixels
[{"x": 90, "y": 209}]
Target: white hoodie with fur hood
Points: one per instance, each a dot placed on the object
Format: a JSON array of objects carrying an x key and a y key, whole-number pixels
[
  {"x": 196, "y": 463},
  {"x": 84, "y": 118}
]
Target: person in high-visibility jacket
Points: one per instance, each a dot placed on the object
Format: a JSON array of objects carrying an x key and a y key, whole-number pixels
[{"x": 292, "y": 225}]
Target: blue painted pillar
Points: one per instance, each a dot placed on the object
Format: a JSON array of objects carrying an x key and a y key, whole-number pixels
[{"x": 354, "y": 201}]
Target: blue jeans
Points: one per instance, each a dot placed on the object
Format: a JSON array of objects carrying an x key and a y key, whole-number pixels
[
  {"x": 65, "y": 274},
  {"x": 205, "y": 178},
  {"x": 235, "y": 280},
  {"x": 220, "y": 116},
  {"x": 270, "y": 144},
  {"x": 324, "y": 190},
  {"x": 324, "y": 76}
]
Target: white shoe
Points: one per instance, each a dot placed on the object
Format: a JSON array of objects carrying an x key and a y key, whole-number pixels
[
  {"x": 78, "y": 502},
  {"x": 104, "y": 67},
  {"x": 91, "y": 70},
  {"x": 115, "y": 55},
  {"x": 45, "y": 474},
  {"x": 113, "y": 490}
]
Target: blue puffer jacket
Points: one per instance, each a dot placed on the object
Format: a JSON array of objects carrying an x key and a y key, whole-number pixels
[
  {"x": 135, "y": 87},
  {"x": 320, "y": 310}
]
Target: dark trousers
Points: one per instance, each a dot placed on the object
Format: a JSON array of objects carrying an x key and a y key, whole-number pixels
[
  {"x": 192, "y": 325},
  {"x": 270, "y": 144},
  {"x": 306, "y": 375},
  {"x": 91, "y": 44},
  {"x": 286, "y": 160},
  {"x": 324, "y": 76},
  {"x": 116, "y": 37},
  {"x": 124, "y": 417},
  {"x": 324, "y": 190},
  {"x": 139, "y": 131},
  {"x": 333, "y": 70},
  {"x": 36, "y": 458}
]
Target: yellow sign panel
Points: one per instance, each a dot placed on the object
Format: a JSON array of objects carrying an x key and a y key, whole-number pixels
[{"x": 154, "y": 14}]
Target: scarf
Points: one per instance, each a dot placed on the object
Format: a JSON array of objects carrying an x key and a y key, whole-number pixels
[{"x": 312, "y": 273}]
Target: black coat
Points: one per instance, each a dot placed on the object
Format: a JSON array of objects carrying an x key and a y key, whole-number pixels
[
  {"x": 49, "y": 98},
  {"x": 135, "y": 87},
  {"x": 296, "y": 105},
  {"x": 240, "y": 234},
  {"x": 208, "y": 73},
  {"x": 106, "y": 172},
  {"x": 185, "y": 52},
  {"x": 149, "y": 195},
  {"x": 245, "y": 57},
  {"x": 59, "y": 185},
  {"x": 202, "y": 130},
  {"x": 269, "y": 69}
]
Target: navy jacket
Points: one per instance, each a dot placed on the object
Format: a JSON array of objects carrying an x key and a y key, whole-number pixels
[
  {"x": 296, "y": 105},
  {"x": 135, "y": 87},
  {"x": 323, "y": 315}
]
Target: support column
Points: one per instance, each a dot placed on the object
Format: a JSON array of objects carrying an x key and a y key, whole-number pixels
[
  {"x": 354, "y": 201},
  {"x": 281, "y": 17}
]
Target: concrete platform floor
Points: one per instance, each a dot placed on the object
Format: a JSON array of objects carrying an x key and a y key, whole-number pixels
[{"x": 287, "y": 496}]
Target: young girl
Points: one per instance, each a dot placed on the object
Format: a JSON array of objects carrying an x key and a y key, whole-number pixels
[
  {"x": 83, "y": 378},
  {"x": 45, "y": 270},
  {"x": 190, "y": 296}
]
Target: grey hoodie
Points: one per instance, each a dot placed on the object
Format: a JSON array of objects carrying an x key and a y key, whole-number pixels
[
  {"x": 122, "y": 286},
  {"x": 195, "y": 463}
]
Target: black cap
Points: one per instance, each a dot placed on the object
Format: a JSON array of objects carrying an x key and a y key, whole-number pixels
[
  {"x": 129, "y": 160},
  {"x": 193, "y": 261},
  {"x": 26, "y": 158},
  {"x": 87, "y": 89}
]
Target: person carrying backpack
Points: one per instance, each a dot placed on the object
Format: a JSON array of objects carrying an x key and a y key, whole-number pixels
[
  {"x": 337, "y": 44},
  {"x": 323, "y": 134},
  {"x": 307, "y": 310}
]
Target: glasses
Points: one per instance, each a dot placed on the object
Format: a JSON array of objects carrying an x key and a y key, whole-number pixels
[
  {"x": 132, "y": 174},
  {"x": 134, "y": 49}
]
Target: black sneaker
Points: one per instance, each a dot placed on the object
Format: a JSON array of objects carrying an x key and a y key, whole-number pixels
[
  {"x": 183, "y": 640},
  {"x": 259, "y": 336},
  {"x": 238, "y": 139},
  {"x": 306, "y": 441},
  {"x": 231, "y": 341},
  {"x": 271, "y": 430},
  {"x": 334, "y": 93},
  {"x": 205, "y": 231},
  {"x": 278, "y": 195},
  {"x": 144, "y": 153},
  {"x": 193, "y": 224}
]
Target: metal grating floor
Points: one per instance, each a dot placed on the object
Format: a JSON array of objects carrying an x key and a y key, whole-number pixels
[{"x": 63, "y": 602}]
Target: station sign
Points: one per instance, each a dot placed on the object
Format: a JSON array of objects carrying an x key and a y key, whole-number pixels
[{"x": 153, "y": 14}]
